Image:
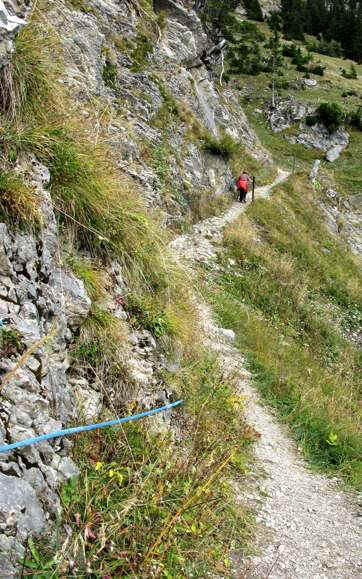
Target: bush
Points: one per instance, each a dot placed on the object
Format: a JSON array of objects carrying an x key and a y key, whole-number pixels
[
  {"x": 349, "y": 93},
  {"x": 300, "y": 59},
  {"x": 329, "y": 48},
  {"x": 318, "y": 69},
  {"x": 141, "y": 51},
  {"x": 244, "y": 55},
  {"x": 253, "y": 10},
  {"x": 224, "y": 147},
  {"x": 355, "y": 119},
  {"x": 331, "y": 116},
  {"x": 10, "y": 342},
  {"x": 351, "y": 73},
  {"x": 311, "y": 120}
]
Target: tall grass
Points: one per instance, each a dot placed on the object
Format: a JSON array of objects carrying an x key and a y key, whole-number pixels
[
  {"x": 18, "y": 200},
  {"x": 103, "y": 209},
  {"x": 293, "y": 297},
  {"x": 147, "y": 507}
]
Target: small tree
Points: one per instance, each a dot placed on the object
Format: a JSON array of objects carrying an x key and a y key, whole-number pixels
[
  {"x": 253, "y": 10},
  {"x": 274, "y": 59},
  {"x": 331, "y": 115}
]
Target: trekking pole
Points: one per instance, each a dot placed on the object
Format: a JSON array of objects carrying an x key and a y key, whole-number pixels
[{"x": 253, "y": 191}]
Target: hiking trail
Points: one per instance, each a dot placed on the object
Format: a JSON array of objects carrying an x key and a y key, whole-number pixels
[{"x": 308, "y": 525}]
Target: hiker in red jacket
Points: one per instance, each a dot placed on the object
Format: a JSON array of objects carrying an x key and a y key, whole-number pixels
[{"x": 242, "y": 186}]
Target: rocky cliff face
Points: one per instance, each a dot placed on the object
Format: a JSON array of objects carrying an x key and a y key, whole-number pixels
[
  {"x": 113, "y": 67},
  {"x": 109, "y": 57}
]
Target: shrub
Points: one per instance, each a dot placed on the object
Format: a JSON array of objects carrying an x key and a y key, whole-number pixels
[
  {"x": 91, "y": 274},
  {"x": 10, "y": 342},
  {"x": 331, "y": 116},
  {"x": 244, "y": 55},
  {"x": 355, "y": 119},
  {"x": 224, "y": 147},
  {"x": 147, "y": 313},
  {"x": 253, "y": 10},
  {"x": 318, "y": 69},
  {"x": 300, "y": 59},
  {"x": 351, "y": 73},
  {"x": 329, "y": 48},
  {"x": 29, "y": 80},
  {"x": 311, "y": 120},
  {"x": 349, "y": 93}
]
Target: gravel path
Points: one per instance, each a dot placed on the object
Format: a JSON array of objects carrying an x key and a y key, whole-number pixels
[{"x": 308, "y": 526}]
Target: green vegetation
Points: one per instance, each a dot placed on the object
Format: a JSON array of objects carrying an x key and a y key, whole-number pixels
[
  {"x": 143, "y": 506},
  {"x": 18, "y": 201},
  {"x": 109, "y": 74},
  {"x": 82, "y": 6},
  {"x": 292, "y": 296},
  {"x": 146, "y": 313},
  {"x": 253, "y": 9},
  {"x": 330, "y": 115},
  {"x": 322, "y": 46},
  {"x": 224, "y": 147},
  {"x": 339, "y": 22},
  {"x": 100, "y": 352},
  {"x": 351, "y": 73},
  {"x": 141, "y": 50},
  {"x": 10, "y": 342},
  {"x": 90, "y": 272}
]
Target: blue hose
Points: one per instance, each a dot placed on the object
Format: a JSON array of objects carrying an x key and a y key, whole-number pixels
[{"x": 76, "y": 429}]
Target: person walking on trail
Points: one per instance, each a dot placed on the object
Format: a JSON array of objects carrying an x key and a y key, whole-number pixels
[{"x": 242, "y": 186}]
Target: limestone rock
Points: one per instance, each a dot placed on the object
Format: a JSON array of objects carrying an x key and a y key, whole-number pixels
[
  {"x": 334, "y": 152},
  {"x": 309, "y": 82},
  {"x": 318, "y": 137},
  {"x": 19, "y": 507},
  {"x": 314, "y": 172},
  {"x": 87, "y": 400},
  {"x": 76, "y": 302},
  {"x": 287, "y": 113}
]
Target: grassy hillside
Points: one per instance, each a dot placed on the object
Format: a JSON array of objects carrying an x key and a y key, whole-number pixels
[{"x": 291, "y": 291}]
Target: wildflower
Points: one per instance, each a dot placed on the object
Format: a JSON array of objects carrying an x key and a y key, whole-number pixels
[
  {"x": 111, "y": 473},
  {"x": 98, "y": 465}
]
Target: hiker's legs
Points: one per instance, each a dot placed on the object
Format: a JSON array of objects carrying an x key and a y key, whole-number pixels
[{"x": 241, "y": 193}]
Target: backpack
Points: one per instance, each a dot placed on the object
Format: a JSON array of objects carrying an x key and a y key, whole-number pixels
[{"x": 242, "y": 184}]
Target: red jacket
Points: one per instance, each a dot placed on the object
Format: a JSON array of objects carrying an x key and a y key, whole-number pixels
[{"x": 243, "y": 182}]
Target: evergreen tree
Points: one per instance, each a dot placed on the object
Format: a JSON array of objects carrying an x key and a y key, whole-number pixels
[
  {"x": 292, "y": 12},
  {"x": 316, "y": 16},
  {"x": 253, "y": 10},
  {"x": 353, "y": 31}
]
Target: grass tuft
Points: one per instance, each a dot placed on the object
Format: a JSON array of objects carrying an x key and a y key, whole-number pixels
[{"x": 18, "y": 201}]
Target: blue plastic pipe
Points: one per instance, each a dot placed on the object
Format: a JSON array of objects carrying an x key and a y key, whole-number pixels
[{"x": 77, "y": 429}]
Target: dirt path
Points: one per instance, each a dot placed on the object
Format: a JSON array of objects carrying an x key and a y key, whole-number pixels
[
  {"x": 201, "y": 244},
  {"x": 308, "y": 527}
]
